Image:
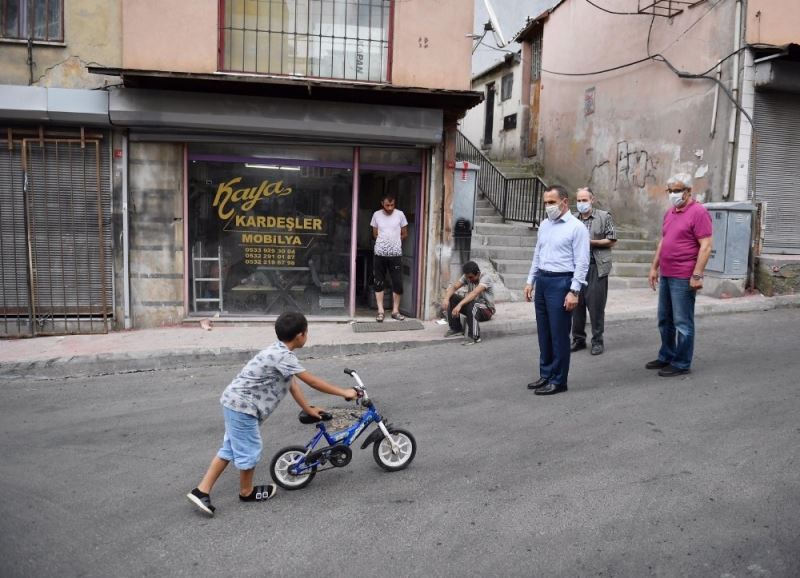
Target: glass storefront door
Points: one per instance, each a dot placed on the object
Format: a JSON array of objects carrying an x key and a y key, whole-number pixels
[
  {"x": 269, "y": 229},
  {"x": 398, "y": 172}
]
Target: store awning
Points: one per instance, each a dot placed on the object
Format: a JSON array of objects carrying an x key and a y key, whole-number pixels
[{"x": 176, "y": 112}]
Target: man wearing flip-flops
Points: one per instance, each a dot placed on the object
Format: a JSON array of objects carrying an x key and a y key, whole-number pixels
[{"x": 389, "y": 229}]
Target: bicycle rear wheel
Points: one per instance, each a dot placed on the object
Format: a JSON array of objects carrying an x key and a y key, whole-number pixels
[{"x": 281, "y": 464}]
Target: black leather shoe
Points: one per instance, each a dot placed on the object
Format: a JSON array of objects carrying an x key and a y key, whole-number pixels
[
  {"x": 551, "y": 389},
  {"x": 542, "y": 381},
  {"x": 672, "y": 371},
  {"x": 597, "y": 348},
  {"x": 578, "y": 345},
  {"x": 656, "y": 364}
]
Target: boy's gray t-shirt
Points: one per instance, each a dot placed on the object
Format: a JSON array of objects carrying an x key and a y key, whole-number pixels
[
  {"x": 487, "y": 297},
  {"x": 263, "y": 382}
]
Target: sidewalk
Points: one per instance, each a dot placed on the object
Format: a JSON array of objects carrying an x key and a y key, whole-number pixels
[{"x": 149, "y": 349}]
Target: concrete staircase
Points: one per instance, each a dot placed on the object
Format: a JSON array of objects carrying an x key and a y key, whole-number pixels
[
  {"x": 514, "y": 170},
  {"x": 508, "y": 247}
]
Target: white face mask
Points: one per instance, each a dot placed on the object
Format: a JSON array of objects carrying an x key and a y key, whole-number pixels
[
  {"x": 583, "y": 207},
  {"x": 553, "y": 211},
  {"x": 676, "y": 199}
]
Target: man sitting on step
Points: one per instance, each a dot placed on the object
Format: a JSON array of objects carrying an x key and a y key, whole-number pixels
[{"x": 477, "y": 305}]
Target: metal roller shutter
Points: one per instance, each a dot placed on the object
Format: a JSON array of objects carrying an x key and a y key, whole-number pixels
[
  {"x": 777, "y": 168},
  {"x": 66, "y": 260},
  {"x": 14, "y": 290}
]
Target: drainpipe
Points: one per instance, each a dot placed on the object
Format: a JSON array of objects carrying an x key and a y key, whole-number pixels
[
  {"x": 732, "y": 132},
  {"x": 713, "y": 130},
  {"x": 126, "y": 272}
]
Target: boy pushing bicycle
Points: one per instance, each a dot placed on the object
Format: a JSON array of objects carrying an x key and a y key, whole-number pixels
[{"x": 250, "y": 398}]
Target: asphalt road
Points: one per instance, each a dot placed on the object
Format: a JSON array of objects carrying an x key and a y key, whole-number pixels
[{"x": 627, "y": 474}]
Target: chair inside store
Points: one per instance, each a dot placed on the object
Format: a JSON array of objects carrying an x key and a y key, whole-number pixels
[{"x": 331, "y": 282}]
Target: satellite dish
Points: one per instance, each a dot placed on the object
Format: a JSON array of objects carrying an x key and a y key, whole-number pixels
[{"x": 494, "y": 25}]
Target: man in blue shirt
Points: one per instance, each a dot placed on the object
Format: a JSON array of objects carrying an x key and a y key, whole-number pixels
[{"x": 558, "y": 273}]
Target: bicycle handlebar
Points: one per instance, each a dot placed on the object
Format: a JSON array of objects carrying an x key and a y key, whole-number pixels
[{"x": 359, "y": 386}]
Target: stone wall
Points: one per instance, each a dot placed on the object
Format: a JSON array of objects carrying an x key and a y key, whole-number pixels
[
  {"x": 155, "y": 188},
  {"x": 778, "y": 274}
]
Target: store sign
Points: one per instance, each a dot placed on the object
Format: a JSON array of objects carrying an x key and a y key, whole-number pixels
[
  {"x": 245, "y": 197},
  {"x": 267, "y": 240}
]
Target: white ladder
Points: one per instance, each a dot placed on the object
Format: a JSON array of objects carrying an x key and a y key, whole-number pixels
[{"x": 197, "y": 269}]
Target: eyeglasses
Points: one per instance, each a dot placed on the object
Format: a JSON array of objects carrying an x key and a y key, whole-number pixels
[{"x": 673, "y": 191}]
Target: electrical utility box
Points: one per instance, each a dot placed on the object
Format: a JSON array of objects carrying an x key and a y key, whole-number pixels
[
  {"x": 465, "y": 188},
  {"x": 732, "y": 225}
]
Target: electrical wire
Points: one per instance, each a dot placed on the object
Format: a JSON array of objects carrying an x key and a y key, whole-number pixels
[
  {"x": 613, "y": 12},
  {"x": 627, "y": 64},
  {"x": 503, "y": 50}
]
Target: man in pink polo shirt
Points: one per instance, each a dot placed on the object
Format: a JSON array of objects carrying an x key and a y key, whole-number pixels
[{"x": 681, "y": 256}]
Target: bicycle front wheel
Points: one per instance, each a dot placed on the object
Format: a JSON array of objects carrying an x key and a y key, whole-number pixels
[{"x": 393, "y": 461}]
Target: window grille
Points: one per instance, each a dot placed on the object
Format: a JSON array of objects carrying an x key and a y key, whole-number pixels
[
  {"x": 536, "y": 55},
  {"x": 342, "y": 39},
  {"x": 41, "y": 20}
]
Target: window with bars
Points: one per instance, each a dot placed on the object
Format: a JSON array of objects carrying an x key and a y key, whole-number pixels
[
  {"x": 536, "y": 55},
  {"x": 342, "y": 39},
  {"x": 41, "y": 20}
]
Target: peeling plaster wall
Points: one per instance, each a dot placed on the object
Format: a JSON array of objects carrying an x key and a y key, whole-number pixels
[
  {"x": 646, "y": 123},
  {"x": 92, "y": 36},
  {"x": 155, "y": 186}
]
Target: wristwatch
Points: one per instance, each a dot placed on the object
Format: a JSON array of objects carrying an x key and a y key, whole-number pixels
[
  {"x": 697, "y": 277},
  {"x": 576, "y": 293}
]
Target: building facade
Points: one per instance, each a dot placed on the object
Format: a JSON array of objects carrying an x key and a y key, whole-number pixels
[
  {"x": 243, "y": 147},
  {"x": 495, "y": 126},
  {"x": 671, "y": 88}
]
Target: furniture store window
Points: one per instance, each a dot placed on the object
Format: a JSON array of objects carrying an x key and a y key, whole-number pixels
[
  {"x": 343, "y": 39},
  {"x": 39, "y": 20},
  {"x": 269, "y": 229},
  {"x": 507, "y": 84}
]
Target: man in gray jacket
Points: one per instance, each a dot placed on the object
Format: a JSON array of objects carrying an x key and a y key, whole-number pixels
[{"x": 601, "y": 238}]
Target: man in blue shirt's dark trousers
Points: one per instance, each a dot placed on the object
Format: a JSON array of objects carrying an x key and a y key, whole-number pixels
[{"x": 558, "y": 272}]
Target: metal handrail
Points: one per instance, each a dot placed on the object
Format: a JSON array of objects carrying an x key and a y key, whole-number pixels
[{"x": 516, "y": 199}]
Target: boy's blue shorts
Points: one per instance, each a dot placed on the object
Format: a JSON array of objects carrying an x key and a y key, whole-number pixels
[{"x": 242, "y": 441}]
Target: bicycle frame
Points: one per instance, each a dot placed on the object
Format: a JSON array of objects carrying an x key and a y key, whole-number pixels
[{"x": 343, "y": 437}]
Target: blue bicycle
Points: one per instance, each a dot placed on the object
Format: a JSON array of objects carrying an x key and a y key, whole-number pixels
[{"x": 294, "y": 467}]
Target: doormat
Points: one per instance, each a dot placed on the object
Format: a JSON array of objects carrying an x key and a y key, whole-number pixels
[{"x": 374, "y": 326}]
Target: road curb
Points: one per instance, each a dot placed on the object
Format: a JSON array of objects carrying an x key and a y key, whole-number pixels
[{"x": 104, "y": 364}]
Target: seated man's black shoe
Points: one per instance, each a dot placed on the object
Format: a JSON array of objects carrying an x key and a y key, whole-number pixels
[
  {"x": 672, "y": 371},
  {"x": 541, "y": 382},
  {"x": 578, "y": 345},
  {"x": 551, "y": 389},
  {"x": 656, "y": 364}
]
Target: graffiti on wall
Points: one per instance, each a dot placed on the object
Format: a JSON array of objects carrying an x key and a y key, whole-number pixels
[{"x": 634, "y": 167}]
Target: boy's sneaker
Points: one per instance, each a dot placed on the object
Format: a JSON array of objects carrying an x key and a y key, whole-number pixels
[
  {"x": 471, "y": 341},
  {"x": 453, "y": 333},
  {"x": 260, "y": 493},
  {"x": 202, "y": 501}
]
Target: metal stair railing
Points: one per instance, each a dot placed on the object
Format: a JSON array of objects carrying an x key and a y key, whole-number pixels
[{"x": 516, "y": 199}]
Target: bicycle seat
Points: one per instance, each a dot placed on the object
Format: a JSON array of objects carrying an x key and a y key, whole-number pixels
[{"x": 306, "y": 419}]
